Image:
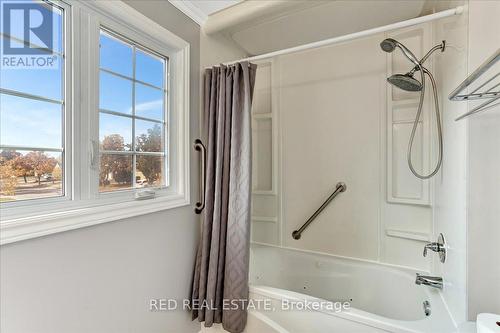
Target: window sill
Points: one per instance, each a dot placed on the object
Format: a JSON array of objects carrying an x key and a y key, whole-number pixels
[{"x": 18, "y": 229}]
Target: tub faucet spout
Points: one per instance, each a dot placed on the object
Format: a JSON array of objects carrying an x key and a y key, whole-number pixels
[{"x": 431, "y": 281}]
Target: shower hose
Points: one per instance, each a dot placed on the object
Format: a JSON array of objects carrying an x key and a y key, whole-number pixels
[{"x": 424, "y": 71}]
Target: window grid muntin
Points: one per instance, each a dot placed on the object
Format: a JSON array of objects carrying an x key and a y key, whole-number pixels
[
  {"x": 20, "y": 94},
  {"x": 31, "y": 45},
  {"x": 116, "y": 113},
  {"x": 134, "y": 80},
  {"x": 164, "y": 139},
  {"x": 123, "y": 39}
]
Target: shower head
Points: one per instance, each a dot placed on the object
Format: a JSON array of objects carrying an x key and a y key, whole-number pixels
[
  {"x": 408, "y": 83},
  {"x": 405, "y": 81},
  {"x": 389, "y": 45}
]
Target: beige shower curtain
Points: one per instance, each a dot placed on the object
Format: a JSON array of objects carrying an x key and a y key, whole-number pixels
[{"x": 221, "y": 270}]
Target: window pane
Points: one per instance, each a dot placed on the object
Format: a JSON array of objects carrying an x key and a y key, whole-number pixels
[
  {"x": 31, "y": 123},
  {"x": 30, "y": 175},
  {"x": 58, "y": 30},
  {"x": 148, "y": 136},
  {"x": 115, "y": 93},
  {"x": 137, "y": 98},
  {"x": 115, "y": 132},
  {"x": 26, "y": 80},
  {"x": 115, "y": 172},
  {"x": 44, "y": 38},
  {"x": 149, "y": 68},
  {"x": 115, "y": 55},
  {"x": 149, "y": 171},
  {"x": 148, "y": 102},
  {"x": 32, "y": 67}
]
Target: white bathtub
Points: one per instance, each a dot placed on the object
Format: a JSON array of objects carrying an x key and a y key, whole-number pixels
[{"x": 383, "y": 298}]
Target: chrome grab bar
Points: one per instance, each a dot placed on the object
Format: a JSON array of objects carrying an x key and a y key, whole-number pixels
[
  {"x": 198, "y": 146},
  {"x": 340, "y": 187}
]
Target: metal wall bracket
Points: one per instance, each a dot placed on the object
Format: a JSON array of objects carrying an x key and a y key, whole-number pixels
[{"x": 489, "y": 89}]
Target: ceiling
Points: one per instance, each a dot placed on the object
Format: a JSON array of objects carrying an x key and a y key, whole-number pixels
[
  {"x": 263, "y": 26},
  {"x": 199, "y": 10}
]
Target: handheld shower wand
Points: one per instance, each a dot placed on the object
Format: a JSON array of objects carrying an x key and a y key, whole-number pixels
[
  {"x": 408, "y": 83},
  {"x": 389, "y": 45}
]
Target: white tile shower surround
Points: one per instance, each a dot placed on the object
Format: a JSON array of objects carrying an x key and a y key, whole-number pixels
[
  {"x": 315, "y": 107},
  {"x": 320, "y": 132}
]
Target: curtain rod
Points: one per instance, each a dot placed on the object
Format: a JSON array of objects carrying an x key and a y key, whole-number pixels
[{"x": 422, "y": 19}]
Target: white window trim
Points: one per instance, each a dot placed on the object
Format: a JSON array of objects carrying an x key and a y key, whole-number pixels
[{"x": 88, "y": 207}]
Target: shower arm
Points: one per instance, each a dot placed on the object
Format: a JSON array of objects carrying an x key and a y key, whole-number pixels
[
  {"x": 408, "y": 54},
  {"x": 441, "y": 47}
]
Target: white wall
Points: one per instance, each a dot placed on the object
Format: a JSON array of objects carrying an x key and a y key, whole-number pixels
[
  {"x": 484, "y": 173},
  {"x": 217, "y": 48},
  {"x": 100, "y": 279},
  {"x": 450, "y": 182},
  {"x": 331, "y": 104}
]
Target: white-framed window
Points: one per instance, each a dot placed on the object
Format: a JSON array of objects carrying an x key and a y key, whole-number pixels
[
  {"x": 35, "y": 121},
  {"x": 113, "y": 129},
  {"x": 132, "y": 115}
]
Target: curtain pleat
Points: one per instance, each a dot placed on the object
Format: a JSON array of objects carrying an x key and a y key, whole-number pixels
[{"x": 222, "y": 260}]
